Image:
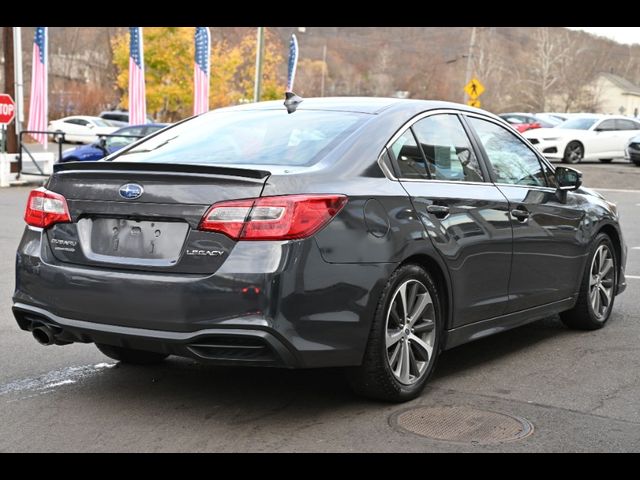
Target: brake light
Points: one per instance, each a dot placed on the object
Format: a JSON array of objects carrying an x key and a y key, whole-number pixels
[
  {"x": 284, "y": 217},
  {"x": 45, "y": 208}
]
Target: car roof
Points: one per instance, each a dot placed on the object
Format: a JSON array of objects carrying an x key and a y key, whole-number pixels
[
  {"x": 368, "y": 105},
  {"x": 83, "y": 117}
]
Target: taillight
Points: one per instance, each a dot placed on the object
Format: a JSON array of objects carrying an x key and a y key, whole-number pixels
[
  {"x": 45, "y": 208},
  {"x": 285, "y": 217}
]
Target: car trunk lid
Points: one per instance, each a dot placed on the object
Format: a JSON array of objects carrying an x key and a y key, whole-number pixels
[{"x": 144, "y": 216}]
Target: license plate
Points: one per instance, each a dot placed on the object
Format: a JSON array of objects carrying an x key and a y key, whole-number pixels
[{"x": 137, "y": 239}]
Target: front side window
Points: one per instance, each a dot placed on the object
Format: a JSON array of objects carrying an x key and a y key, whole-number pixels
[
  {"x": 582, "y": 123},
  {"x": 607, "y": 126},
  {"x": 447, "y": 149},
  {"x": 510, "y": 158}
]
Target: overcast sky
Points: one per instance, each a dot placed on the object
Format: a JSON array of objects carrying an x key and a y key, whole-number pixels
[{"x": 620, "y": 34}]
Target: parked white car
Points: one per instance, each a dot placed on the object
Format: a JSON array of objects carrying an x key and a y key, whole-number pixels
[
  {"x": 81, "y": 128},
  {"x": 586, "y": 137}
]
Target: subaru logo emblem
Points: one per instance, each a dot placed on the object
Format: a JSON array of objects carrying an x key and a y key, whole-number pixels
[{"x": 131, "y": 191}]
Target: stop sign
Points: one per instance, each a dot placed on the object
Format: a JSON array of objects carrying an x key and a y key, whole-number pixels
[{"x": 7, "y": 109}]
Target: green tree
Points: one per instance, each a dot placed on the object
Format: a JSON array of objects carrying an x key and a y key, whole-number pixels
[{"x": 168, "y": 55}]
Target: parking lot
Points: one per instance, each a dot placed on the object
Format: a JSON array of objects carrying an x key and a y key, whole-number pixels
[{"x": 579, "y": 390}]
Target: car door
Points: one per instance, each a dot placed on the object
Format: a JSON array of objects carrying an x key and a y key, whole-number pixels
[
  {"x": 605, "y": 140},
  {"x": 72, "y": 129},
  {"x": 548, "y": 246},
  {"x": 465, "y": 217}
]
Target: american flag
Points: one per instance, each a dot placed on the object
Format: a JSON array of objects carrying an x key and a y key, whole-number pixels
[
  {"x": 38, "y": 100},
  {"x": 293, "y": 62},
  {"x": 201, "y": 71},
  {"x": 137, "y": 101}
]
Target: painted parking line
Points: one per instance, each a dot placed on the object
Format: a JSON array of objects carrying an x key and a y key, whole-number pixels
[
  {"x": 633, "y": 277},
  {"x": 635, "y": 248},
  {"x": 620, "y": 190}
]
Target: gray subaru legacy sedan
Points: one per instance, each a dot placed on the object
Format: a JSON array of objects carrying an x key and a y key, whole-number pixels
[{"x": 366, "y": 233}]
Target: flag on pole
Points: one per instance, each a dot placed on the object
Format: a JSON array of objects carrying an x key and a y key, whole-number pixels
[
  {"x": 201, "y": 70},
  {"x": 137, "y": 101},
  {"x": 293, "y": 62},
  {"x": 38, "y": 105}
]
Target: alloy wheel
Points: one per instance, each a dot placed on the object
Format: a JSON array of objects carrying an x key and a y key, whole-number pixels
[
  {"x": 601, "y": 282},
  {"x": 410, "y": 332}
]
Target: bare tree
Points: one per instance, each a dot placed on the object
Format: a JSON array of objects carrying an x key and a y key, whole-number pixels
[{"x": 549, "y": 52}]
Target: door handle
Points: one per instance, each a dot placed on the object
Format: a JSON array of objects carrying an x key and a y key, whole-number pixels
[
  {"x": 520, "y": 215},
  {"x": 438, "y": 211}
]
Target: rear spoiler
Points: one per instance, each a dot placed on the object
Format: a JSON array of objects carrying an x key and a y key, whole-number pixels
[{"x": 101, "y": 166}]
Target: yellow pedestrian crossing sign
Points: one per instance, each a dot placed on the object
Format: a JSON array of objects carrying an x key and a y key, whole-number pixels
[
  {"x": 474, "y": 103},
  {"x": 474, "y": 88}
]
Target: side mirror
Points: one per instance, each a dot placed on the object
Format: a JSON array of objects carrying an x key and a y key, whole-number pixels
[
  {"x": 91, "y": 126},
  {"x": 568, "y": 178}
]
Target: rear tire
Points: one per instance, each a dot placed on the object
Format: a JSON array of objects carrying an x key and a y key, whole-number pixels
[
  {"x": 573, "y": 152},
  {"x": 404, "y": 341},
  {"x": 128, "y": 355},
  {"x": 597, "y": 289}
]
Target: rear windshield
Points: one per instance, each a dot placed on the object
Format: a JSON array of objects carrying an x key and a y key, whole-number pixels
[{"x": 255, "y": 137}]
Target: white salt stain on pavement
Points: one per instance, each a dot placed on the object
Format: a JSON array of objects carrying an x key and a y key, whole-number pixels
[{"x": 50, "y": 381}]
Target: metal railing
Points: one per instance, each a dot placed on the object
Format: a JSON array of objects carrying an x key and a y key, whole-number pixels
[{"x": 59, "y": 137}]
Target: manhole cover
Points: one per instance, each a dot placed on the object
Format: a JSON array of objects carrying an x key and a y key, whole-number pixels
[{"x": 463, "y": 424}]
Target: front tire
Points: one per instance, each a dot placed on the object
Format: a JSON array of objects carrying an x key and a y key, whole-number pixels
[
  {"x": 404, "y": 341},
  {"x": 128, "y": 355},
  {"x": 597, "y": 290},
  {"x": 573, "y": 152}
]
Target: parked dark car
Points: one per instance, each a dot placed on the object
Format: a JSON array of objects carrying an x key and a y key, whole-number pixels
[
  {"x": 633, "y": 150},
  {"x": 356, "y": 232},
  {"x": 99, "y": 150}
]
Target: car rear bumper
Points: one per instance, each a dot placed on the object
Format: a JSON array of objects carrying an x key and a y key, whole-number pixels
[
  {"x": 230, "y": 346},
  {"x": 279, "y": 295}
]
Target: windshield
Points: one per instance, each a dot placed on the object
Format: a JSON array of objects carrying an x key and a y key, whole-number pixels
[
  {"x": 584, "y": 123},
  {"x": 263, "y": 137}
]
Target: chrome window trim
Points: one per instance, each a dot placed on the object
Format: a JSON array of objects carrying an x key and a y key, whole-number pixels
[
  {"x": 453, "y": 182},
  {"x": 416, "y": 119}
]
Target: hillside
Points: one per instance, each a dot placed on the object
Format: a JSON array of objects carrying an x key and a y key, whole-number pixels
[{"x": 530, "y": 69}]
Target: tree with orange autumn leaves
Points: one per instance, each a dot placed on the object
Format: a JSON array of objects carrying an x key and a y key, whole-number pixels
[{"x": 169, "y": 58}]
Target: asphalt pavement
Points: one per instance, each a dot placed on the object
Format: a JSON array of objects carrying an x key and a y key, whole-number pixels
[{"x": 579, "y": 390}]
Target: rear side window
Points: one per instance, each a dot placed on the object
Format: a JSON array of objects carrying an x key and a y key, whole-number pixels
[
  {"x": 447, "y": 149},
  {"x": 252, "y": 137},
  {"x": 408, "y": 157},
  {"x": 627, "y": 124}
]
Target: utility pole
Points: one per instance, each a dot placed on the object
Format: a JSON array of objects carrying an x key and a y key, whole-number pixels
[
  {"x": 468, "y": 73},
  {"x": 7, "y": 38},
  {"x": 324, "y": 68},
  {"x": 19, "y": 84},
  {"x": 257, "y": 86}
]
